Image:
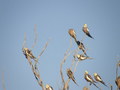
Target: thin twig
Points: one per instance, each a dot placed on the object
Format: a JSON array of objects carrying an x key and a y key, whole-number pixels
[
  {"x": 36, "y": 73},
  {"x": 3, "y": 81},
  {"x": 63, "y": 61},
  {"x": 76, "y": 66},
  {"x": 83, "y": 38},
  {"x": 44, "y": 48},
  {"x": 68, "y": 80},
  {"x": 36, "y": 36},
  {"x": 24, "y": 42},
  {"x": 117, "y": 66}
]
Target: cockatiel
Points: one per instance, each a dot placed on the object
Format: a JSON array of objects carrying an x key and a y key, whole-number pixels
[
  {"x": 117, "y": 81},
  {"x": 72, "y": 33},
  {"x": 71, "y": 76},
  {"x": 81, "y": 57},
  {"x": 99, "y": 79},
  {"x": 88, "y": 78},
  {"x": 48, "y": 87},
  {"x": 86, "y": 30},
  {"x": 28, "y": 54},
  {"x": 81, "y": 47}
]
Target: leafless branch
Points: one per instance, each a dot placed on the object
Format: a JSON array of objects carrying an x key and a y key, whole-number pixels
[
  {"x": 63, "y": 61},
  {"x": 66, "y": 86},
  {"x": 111, "y": 87},
  {"x": 83, "y": 38},
  {"x": 36, "y": 73},
  {"x": 117, "y": 66},
  {"x": 24, "y": 42},
  {"x": 34, "y": 67},
  {"x": 36, "y": 36},
  {"x": 3, "y": 81},
  {"x": 43, "y": 50},
  {"x": 76, "y": 66}
]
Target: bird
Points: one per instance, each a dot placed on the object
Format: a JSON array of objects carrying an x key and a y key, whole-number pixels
[
  {"x": 86, "y": 30},
  {"x": 81, "y": 47},
  {"x": 72, "y": 33},
  {"x": 117, "y": 81},
  {"x": 88, "y": 78},
  {"x": 81, "y": 57},
  {"x": 71, "y": 76},
  {"x": 85, "y": 88},
  {"x": 99, "y": 79},
  {"x": 48, "y": 87},
  {"x": 28, "y": 54}
]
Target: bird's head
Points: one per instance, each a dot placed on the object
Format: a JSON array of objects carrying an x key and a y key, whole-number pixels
[
  {"x": 86, "y": 72},
  {"x": 78, "y": 56},
  {"x": 47, "y": 86},
  {"x": 24, "y": 50},
  {"x": 78, "y": 43},
  {"x": 85, "y": 25},
  {"x": 71, "y": 31},
  {"x": 68, "y": 70},
  {"x": 95, "y": 74}
]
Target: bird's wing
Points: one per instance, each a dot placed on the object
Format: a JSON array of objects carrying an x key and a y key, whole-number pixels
[
  {"x": 89, "y": 78},
  {"x": 99, "y": 78}
]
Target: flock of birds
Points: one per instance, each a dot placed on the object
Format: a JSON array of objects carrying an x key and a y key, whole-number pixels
[
  {"x": 84, "y": 56},
  {"x": 88, "y": 78}
]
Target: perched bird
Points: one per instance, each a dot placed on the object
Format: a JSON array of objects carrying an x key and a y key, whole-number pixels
[
  {"x": 86, "y": 88},
  {"x": 88, "y": 78},
  {"x": 82, "y": 57},
  {"x": 48, "y": 87},
  {"x": 72, "y": 34},
  {"x": 86, "y": 30},
  {"x": 71, "y": 76},
  {"x": 117, "y": 81},
  {"x": 81, "y": 47},
  {"x": 28, "y": 54},
  {"x": 99, "y": 79}
]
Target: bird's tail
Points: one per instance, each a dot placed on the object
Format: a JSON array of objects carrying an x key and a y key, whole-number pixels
[
  {"x": 95, "y": 85},
  {"x": 75, "y": 39},
  {"x": 36, "y": 60},
  {"x": 74, "y": 81},
  {"x": 90, "y": 36},
  {"x": 84, "y": 51},
  {"x": 104, "y": 83},
  {"x": 89, "y": 57}
]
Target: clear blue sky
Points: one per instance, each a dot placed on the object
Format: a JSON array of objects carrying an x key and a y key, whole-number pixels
[{"x": 53, "y": 19}]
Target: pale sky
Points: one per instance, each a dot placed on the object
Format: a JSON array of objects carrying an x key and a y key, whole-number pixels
[{"x": 53, "y": 19}]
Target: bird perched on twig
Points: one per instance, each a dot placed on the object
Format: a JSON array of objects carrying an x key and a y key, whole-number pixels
[
  {"x": 28, "y": 54},
  {"x": 48, "y": 87},
  {"x": 81, "y": 47},
  {"x": 86, "y": 30},
  {"x": 99, "y": 79},
  {"x": 117, "y": 81},
  {"x": 85, "y": 88},
  {"x": 88, "y": 78},
  {"x": 71, "y": 76},
  {"x": 72, "y": 34},
  {"x": 82, "y": 57}
]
